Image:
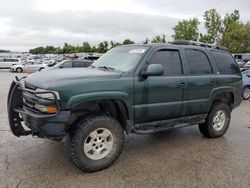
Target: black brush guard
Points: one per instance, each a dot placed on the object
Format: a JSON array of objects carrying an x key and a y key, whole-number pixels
[{"x": 15, "y": 105}]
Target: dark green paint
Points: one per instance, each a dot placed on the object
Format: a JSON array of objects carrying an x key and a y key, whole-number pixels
[{"x": 149, "y": 98}]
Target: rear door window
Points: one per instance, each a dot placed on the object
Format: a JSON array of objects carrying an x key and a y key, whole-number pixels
[{"x": 198, "y": 62}]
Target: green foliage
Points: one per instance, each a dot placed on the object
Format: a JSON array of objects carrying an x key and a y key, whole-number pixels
[
  {"x": 187, "y": 29},
  {"x": 237, "y": 37},
  {"x": 114, "y": 44},
  {"x": 103, "y": 47},
  {"x": 159, "y": 39},
  {"x": 86, "y": 47},
  {"x": 213, "y": 24},
  {"x": 4, "y": 51},
  {"x": 128, "y": 41},
  {"x": 231, "y": 19}
]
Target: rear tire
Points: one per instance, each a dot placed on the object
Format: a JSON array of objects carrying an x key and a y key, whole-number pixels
[
  {"x": 19, "y": 70},
  {"x": 217, "y": 121},
  {"x": 95, "y": 142}
]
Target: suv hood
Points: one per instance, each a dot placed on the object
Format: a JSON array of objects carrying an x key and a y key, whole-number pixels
[{"x": 51, "y": 77}]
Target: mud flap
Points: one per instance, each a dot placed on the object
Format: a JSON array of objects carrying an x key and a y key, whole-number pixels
[{"x": 15, "y": 102}]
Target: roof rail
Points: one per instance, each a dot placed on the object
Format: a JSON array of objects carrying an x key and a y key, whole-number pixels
[{"x": 186, "y": 42}]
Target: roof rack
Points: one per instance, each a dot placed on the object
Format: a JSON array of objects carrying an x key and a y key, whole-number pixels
[{"x": 186, "y": 42}]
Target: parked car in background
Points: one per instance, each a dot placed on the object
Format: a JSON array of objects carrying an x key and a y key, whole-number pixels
[
  {"x": 29, "y": 67},
  {"x": 53, "y": 63},
  {"x": 246, "y": 87},
  {"x": 247, "y": 65},
  {"x": 240, "y": 63},
  {"x": 72, "y": 64},
  {"x": 7, "y": 63},
  {"x": 246, "y": 72}
]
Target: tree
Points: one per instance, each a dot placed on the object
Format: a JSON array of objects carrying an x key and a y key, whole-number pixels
[
  {"x": 186, "y": 30},
  {"x": 159, "y": 39},
  {"x": 230, "y": 19},
  {"x": 103, "y": 47},
  {"x": 86, "y": 47},
  {"x": 237, "y": 38},
  {"x": 128, "y": 41},
  {"x": 38, "y": 50},
  {"x": 214, "y": 26},
  {"x": 114, "y": 44}
]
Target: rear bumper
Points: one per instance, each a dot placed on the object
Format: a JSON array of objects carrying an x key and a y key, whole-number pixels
[{"x": 24, "y": 122}]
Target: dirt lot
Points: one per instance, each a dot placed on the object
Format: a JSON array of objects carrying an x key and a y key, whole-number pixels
[{"x": 177, "y": 158}]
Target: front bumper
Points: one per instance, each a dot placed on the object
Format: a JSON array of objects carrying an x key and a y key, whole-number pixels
[{"x": 24, "y": 121}]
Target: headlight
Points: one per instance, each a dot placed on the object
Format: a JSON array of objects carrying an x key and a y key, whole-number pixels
[{"x": 47, "y": 95}]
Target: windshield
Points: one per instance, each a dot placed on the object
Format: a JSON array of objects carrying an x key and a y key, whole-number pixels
[{"x": 122, "y": 58}]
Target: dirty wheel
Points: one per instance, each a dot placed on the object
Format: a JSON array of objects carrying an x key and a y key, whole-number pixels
[
  {"x": 217, "y": 121},
  {"x": 95, "y": 142}
]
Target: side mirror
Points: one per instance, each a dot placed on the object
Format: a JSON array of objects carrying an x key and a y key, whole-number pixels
[
  {"x": 154, "y": 70},
  {"x": 61, "y": 66}
]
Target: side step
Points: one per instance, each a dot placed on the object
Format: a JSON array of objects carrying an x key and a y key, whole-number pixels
[{"x": 158, "y": 126}]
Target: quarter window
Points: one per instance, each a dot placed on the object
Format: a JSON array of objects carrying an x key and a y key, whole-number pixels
[
  {"x": 197, "y": 62},
  {"x": 225, "y": 63},
  {"x": 170, "y": 60}
]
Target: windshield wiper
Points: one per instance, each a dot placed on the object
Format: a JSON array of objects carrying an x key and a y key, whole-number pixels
[{"x": 106, "y": 67}]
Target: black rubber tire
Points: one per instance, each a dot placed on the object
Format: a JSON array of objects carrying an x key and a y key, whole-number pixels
[
  {"x": 19, "y": 69},
  {"x": 41, "y": 69},
  {"x": 80, "y": 132},
  {"x": 207, "y": 128},
  {"x": 245, "y": 98}
]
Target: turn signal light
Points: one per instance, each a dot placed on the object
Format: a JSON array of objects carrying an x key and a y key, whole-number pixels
[{"x": 51, "y": 109}]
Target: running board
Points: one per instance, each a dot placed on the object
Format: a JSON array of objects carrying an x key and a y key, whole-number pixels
[{"x": 158, "y": 126}]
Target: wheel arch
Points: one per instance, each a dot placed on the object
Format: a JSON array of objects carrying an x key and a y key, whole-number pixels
[
  {"x": 118, "y": 107},
  {"x": 225, "y": 95}
]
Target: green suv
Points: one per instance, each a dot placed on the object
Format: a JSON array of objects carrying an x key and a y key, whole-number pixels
[{"x": 130, "y": 89}]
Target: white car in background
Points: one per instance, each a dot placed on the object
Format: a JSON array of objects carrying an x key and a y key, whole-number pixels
[
  {"x": 29, "y": 67},
  {"x": 7, "y": 63}
]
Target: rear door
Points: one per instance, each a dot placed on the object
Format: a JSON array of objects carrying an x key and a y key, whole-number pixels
[{"x": 200, "y": 81}]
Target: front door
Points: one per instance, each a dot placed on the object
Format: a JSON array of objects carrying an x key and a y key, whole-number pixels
[{"x": 160, "y": 97}]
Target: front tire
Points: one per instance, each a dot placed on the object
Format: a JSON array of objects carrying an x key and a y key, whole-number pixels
[
  {"x": 95, "y": 142},
  {"x": 217, "y": 121}
]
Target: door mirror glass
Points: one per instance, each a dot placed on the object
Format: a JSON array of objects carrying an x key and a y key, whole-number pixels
[{"x": 154, "y": 70}]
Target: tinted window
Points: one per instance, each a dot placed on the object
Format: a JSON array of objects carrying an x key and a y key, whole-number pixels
[
  {"x": 170, "y": 60},
  {"x": 78, "y": 64},
  {"x": 225, "y": 63},
  {"x": 67, "y": 64},
  {"x": 198, "y": 62}
]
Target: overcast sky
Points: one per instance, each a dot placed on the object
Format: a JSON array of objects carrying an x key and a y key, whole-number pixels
[{"x": 25, "y": 24}]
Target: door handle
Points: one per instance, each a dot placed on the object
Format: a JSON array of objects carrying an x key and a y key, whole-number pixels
[
  {"x": 183, "y": 84},
  {"x": 213, "y": 81}
]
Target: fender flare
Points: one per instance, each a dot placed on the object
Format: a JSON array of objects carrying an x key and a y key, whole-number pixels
[{"x": 76, "y": 100}]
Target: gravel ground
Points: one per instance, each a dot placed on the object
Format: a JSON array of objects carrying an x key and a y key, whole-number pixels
[{"x": 176, "y": 158}]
